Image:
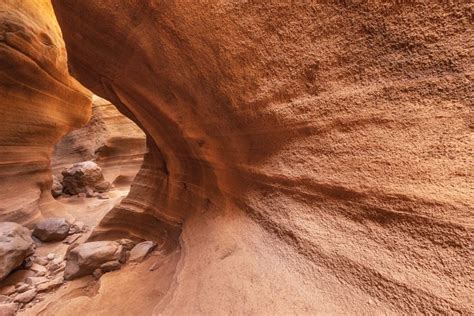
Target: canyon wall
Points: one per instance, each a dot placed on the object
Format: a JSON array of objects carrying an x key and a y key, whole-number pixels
[
  {"x": 310, "y": 158},
  {"x": 39, "y": 103},
  {"x": 110, "y": 139}
]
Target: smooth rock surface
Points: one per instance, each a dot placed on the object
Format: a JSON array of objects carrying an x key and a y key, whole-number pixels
[
  {"x": 8, "y": 309},
  {"x": 15, "y": 246},
  {"x": 52, "y": 229},
  {"x": 85, "y": 258}
]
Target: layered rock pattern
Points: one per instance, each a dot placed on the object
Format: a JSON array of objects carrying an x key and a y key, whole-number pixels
[
  {"x": 319, "y": 155},
  {"x": 39, "y": 103}
]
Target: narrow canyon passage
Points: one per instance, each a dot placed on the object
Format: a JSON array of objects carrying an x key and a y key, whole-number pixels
[{"x": 302, "y": 158}]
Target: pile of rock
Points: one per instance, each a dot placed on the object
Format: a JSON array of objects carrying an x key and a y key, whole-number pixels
[
  {"x": 46, "y": 274},
  {"x": 83, "y": 179}
]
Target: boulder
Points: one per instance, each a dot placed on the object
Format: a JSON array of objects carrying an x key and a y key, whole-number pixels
[
  {"x": 84, "y": 259},
  {"x": 84, "y": 177},
  {"x": 15, "y": 246},
  {"x": 141, "y": 250},
  {"x": 57, "y": 187},
  {"x": 8, "y": 309},
  {"x": 52, "y": 229}
]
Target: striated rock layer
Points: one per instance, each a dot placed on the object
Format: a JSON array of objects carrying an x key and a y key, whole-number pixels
[
  {"x": 317, "y": 158},
  {"x": 39, "y": 102}
]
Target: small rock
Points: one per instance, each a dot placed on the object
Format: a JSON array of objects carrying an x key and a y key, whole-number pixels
[
  {"x": 25, "y": 297},
  {"x": 36, "y": 280},
  {"x": 71, "y": 239},
  {"x": 82, "y": 176},
  {"x": 124, "y": 257},
  {"x": 141, "y": 250},
  {"x": 52, "y": 229},
  {"x": 97, "y": 273},
  {"x": 126, "y": 243},
  {"x": 41, "y": 261},
  {"x": 22, "y": 287},
  {"x": 7, "y": 290},
  {"x": 40, "y": 273},
  {"x": 51, "y": 256},
  {"x": 8, "y": 309},
  {"x": 37, "y": 268},
  {"x": 50, "y": 285},
  {"x": 77, "y": 227},
  {"x": 57, "y": 187},
  {"x": 103, "y": 196},
  {"x": 57, "y": 267},
  {"x": 27, "y": 263},
  {"x": 110, "y": 266}
]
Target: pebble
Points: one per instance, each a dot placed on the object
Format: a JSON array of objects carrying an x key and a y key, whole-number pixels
[{"x": 50, "y": 256}]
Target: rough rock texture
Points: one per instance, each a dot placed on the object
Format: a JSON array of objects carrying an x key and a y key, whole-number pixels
[
  {"x": 52, "y": 229},
  {"x": 85, "y": 258},
  {"x": 84, "y": 177},
  {"x": 109, "y": 139},
  {"x": 39, "y": 102},
  {"x": 15, "y": 246},
  {"x": 318, "y": 154}
]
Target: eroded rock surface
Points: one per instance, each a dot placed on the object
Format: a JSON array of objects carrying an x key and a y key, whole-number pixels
[
  {"x": 39, "y": 103},
  {"x": 318, "y": 154},
  {"x": 15, "y": 246}
]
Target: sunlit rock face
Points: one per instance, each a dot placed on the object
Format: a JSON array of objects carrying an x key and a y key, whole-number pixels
[
  {"x": 317, "y": 158},
  {"x": 39, "y": 102},
  {"x": 110, "y": 139}
]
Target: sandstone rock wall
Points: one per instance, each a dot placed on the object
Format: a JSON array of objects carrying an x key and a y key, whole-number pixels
[
  {"x": 317, "y": 156},
  {"x": 39, "y": 102}
]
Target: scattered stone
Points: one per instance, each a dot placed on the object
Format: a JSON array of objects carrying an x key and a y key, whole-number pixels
[
  {"x": 78, "y": 227},
  {"x": 84, "y": 176},
  {"x": 37, "y": 268},
  {"x": 50, "y": 256},
  {"x": 22, "y": 287},
  {"x": 126, "y": 243},
  {"x": 52, "y": 229},
  {"x": 34, "y": 281},
  {"x": 8, "y": 309},
  {"x": 57, "y": 187},
  {"x": 97, "y": 273},
  {"x": 110, "y": 266},
  {"x": 84, "y": 259},
  {"x": 7, "y": 290},
  {"x": 103, "y": 196},
  {"x": 40, "y": 273},
  {"x": 56, "y": 266},
  {"x": 25, "y": 297},
  {"x": 50, "y": 284},
  {"x": 141, "y": 250},
  {"x": 41, "y": 261},
  {"x": 15, "y": 246},
  {"x": 71, "y": 239}
]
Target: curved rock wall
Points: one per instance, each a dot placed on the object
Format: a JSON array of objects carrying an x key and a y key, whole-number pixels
[
  {"x": 39, "y": 102},
  {"x": 318, "y": 157},
  {"x": 110, "y": 139}
]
